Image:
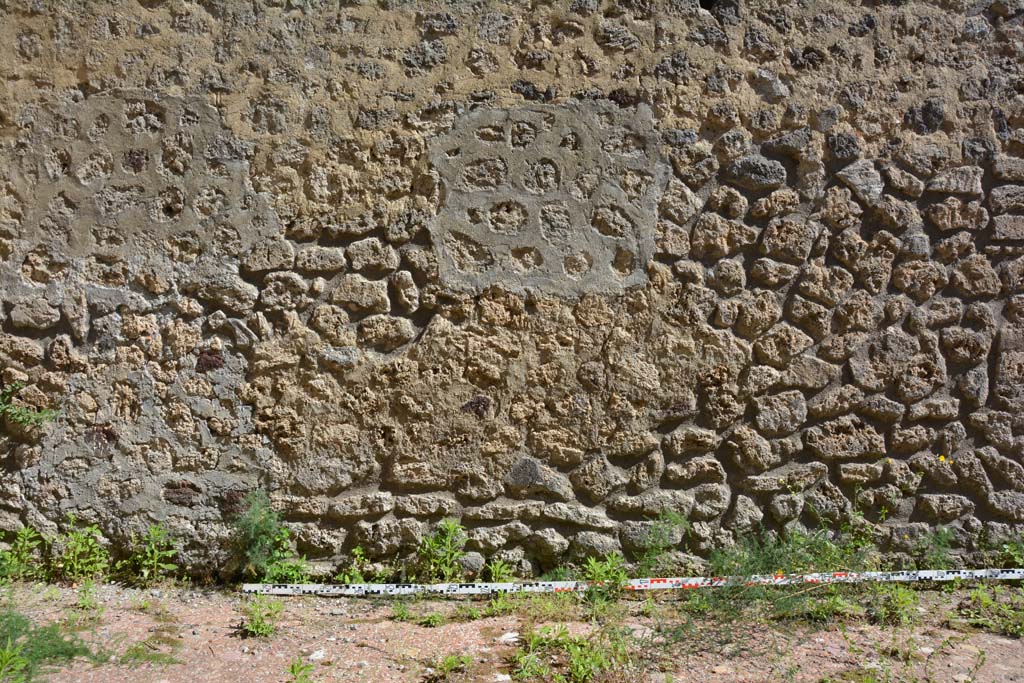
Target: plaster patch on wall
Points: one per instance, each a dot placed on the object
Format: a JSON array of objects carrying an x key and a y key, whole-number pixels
[
  {"x": 113, "y": 172},
  {"x": 560, "y": 199}
]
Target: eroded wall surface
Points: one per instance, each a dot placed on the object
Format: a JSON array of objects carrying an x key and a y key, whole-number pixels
[{"x": 550, "y": 268}]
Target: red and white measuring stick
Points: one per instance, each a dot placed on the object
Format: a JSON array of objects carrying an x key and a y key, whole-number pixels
[{"x": 673, "y": 583}]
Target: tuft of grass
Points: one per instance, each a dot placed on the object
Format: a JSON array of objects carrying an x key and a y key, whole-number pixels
[
  {"x": 934, "y": 551},
  {"x": 157, "y": 649},
  {"x": 31, "y": 651},
  {"x": 851, "y": 549},
  {"x": 261, "y": 615},
  {"x": 356, "y": 570},
  {"x": 400, "y": 612},
  {"x": 500, "y": 605},
  {"x": 87, "y": 600}
]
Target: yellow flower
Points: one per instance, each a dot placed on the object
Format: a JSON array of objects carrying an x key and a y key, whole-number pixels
[{"x": 942, "y": 458}]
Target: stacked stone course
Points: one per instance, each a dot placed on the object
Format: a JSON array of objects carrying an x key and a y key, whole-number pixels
[{"x": 548, "y": 268}]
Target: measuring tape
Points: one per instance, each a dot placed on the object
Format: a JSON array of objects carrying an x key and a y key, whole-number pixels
[{"x": 652, "y": 584}]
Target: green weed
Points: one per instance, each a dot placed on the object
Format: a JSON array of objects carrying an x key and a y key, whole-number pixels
[
  {"x": 1011, "y": 554},
  {"x": 299, "y": 671},
  {"x": 13, "y": 665},
  {"x": 23, "y": 560},
  {"x": 264, "y": 544},
  {"x": 499, "y": 571},
  {"x": 150, "y": 559},
  {"x": 558, "y": 574},
  {"x": 893, "y": 604},
  {"x": 660, "y": 540},
  {"x": 448, "y": 665},
  {"x": 851, "y": 549},
  {"x": 260, "y": 617},
  {"x": 87, "y": 600},
  {"x": 548, "y": 606},
  {"x": 355, "y": 572},
  {"x": 934, "y": 550},
  {"x": 995, "y": 608},
  {"x": 431, "y": 620},
  {"x": 440, "y": 552},
  {"x": 154, "y": 649},
  {"x": 468, "y": 612},
  {"x": 500, "y": 604},
  {"x": 607, "y": 576},
  {"x": 583, "y": 658},
  {"x": 26, "y": 417},
  {"x": 400, "y": 612},
  {"x": 31, "y": 651},
  {"x": 83, "y": 557}
]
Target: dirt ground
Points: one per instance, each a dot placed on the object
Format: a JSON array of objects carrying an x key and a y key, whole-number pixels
[{"x": 194, "y": 636}]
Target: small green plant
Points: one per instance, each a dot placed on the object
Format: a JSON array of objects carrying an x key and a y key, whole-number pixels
[
  {"x": 448, "y": 665},
  {"x": 150, "y": 560},
  {"x": 558, "y": 574},
  {"x": 440, "y": 552},
  {"x": 22, "y": 561},
  {"x": 157, "y": 649},
  {"x": 356, "y": 570},
  {"x": 145, "y": 652},
  {"x": 606, "y": 577},
  {"x": 934, "y": 550},
  {"x": 13, "y": 665},
  {"x": 499, "y": 571},
  {"x": 432, "y": 620},
  {"x": 548, "y": 606},
  {"x": 996, "y": 609},
  {"x": 83, "y": 557},
  {"x": 1011, "y": 554},
  {"x": 893, "y": 605},
  {"x": 584, "y": 658},
  {"x": 468, "y": 612},
  {"x": 499, "y": 605},
  {"x": 31, "y": 651},
  {"x": 26, "y": 417},
  {"x": 400, "y": 612},
  {"x": 660, "y": 540},
  {"x": 264, "y": 543},
  {"x": 288, "y": 570},
  {"x": 87, "y": 600},
  {"x": 260, "y": 617},
  {"x": 299, "y": 671}
]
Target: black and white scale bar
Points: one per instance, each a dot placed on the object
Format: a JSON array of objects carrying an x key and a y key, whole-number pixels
[{"x": 673, "y": 583}]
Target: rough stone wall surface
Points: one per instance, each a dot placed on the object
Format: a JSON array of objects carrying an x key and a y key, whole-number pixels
[{"x": 549, "y": 268}]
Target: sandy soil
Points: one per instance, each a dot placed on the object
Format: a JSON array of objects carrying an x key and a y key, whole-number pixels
[{"x": 349, "y": 640}]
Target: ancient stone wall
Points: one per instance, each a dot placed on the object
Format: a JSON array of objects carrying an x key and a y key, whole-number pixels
[{"x": 547, "y": 267}]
